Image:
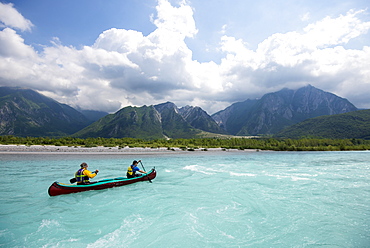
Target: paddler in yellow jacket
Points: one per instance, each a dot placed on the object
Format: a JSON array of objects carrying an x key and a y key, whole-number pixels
[
  {"x": 132, "y": 169},
  {"x": 83, "y": 175}
]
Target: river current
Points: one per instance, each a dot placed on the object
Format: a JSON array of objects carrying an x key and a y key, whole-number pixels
[{"x": 199, "y": 199}]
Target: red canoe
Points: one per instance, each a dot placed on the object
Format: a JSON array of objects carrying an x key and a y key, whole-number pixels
[{"x": 61, "y": 188}]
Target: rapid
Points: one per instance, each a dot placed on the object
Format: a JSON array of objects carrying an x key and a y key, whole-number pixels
[{"x": 198, "y": 199}]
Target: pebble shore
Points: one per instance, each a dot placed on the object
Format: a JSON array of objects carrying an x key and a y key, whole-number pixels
[{"x": 98, "y": 149}]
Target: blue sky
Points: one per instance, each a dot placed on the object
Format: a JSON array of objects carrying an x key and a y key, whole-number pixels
[
  {"x": 79, "y": 23},
  {"x": 105, "y": 55}
]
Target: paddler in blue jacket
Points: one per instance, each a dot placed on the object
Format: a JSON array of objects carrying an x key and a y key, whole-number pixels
[
  {"x": 83, "y": 175},
  {"x": 132, "y": 169}
]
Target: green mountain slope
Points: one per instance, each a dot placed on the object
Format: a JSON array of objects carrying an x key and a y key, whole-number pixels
[
  {"x": 233, "y": 118},
  {"x": 199, "y": 119},
  {"x": 24, "y": 112},
  {"x": 354, "y": 124},
  {"x": 173, "y": 124},
  {"x": 146, "y": 122},
  {"x": 134, "y": 122}
]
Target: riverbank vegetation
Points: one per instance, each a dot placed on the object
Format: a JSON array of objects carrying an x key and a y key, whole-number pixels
[{"x": 305, "y": 144}]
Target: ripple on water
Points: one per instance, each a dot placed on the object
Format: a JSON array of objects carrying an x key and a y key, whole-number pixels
[{"x": 225, "y": 199}]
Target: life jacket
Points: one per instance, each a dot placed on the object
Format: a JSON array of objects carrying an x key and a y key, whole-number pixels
[
  {"x": 130, "y": 172},
  {"x": 80, "y": 177}
]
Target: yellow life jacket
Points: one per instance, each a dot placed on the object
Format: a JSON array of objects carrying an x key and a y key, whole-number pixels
[{"x": 130, "y": 171}]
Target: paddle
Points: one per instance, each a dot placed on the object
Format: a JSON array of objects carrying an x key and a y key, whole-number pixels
[{"x": 145, "y": 171}]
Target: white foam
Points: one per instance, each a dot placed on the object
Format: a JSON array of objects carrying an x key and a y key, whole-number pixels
[
  {"x": 300, "y": 178},
  {"x": 242, "y": 174},
  {"x": 48, "y": 223},
  {"x": 227, "y": 235},
  {"x": 293, "y": 178},
  {"x": 199, "y": 169},
  {"x": 123, "y": 236}
]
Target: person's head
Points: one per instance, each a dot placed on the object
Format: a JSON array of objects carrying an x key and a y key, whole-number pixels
[
  {"x": 83, "y": 165},
  {"x": 134, "y": 162}
]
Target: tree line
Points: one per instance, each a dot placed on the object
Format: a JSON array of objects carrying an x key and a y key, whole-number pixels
[{"x": 304, "y": 144}]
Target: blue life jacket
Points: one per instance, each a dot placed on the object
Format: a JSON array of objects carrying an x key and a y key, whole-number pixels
[{"x": 80, "y": 177}]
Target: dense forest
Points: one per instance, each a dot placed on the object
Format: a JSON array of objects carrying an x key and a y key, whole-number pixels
[
  {"x": 355, "y": 124},
  {"x": 304, "y": 144}
]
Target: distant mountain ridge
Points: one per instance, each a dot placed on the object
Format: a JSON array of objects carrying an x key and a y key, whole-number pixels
[
  {"x": 24, "y": 112},
  {"x": 173, "y": 124},
  {"x": 235, "y": 116},
  {"x": 275, "y": 111},
  {"x": 92, "y": 115},
  {"x": 135, "y": 122},
  {"x": 159, "y": 121},
  {"x": 198, "y": 118}
]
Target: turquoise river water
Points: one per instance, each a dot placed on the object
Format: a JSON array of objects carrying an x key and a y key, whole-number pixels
[{"x": 199, "y": 199}]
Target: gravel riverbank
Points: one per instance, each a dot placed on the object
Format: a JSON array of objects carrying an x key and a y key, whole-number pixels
[{"x": 98, "y": 149}]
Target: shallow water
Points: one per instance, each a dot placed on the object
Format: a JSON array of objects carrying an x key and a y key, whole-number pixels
[{"x": 199, "y": 199}]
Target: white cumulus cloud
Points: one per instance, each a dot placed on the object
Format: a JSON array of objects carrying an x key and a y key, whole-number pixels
[
  {"x": 10, "y": 17},
  {"x": 315, "y": 55},
  {"x": 126, "y": 67}
]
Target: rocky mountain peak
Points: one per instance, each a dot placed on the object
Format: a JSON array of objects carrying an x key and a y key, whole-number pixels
[
  {"x": 166, "y": 106},
  {"x": 276, "y": 110},
  {"x": 198, "y": 118},
  {"x": 25, "y": 112}
]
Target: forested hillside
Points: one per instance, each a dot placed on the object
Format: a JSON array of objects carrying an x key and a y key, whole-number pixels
[{"x": 354, "y": 124}]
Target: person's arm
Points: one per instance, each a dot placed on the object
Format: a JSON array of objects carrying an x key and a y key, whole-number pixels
[
  {"x": 89, "y": 174},
  {"x": 141, "y": 170},
  {"x": 136, "y": 168}
]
